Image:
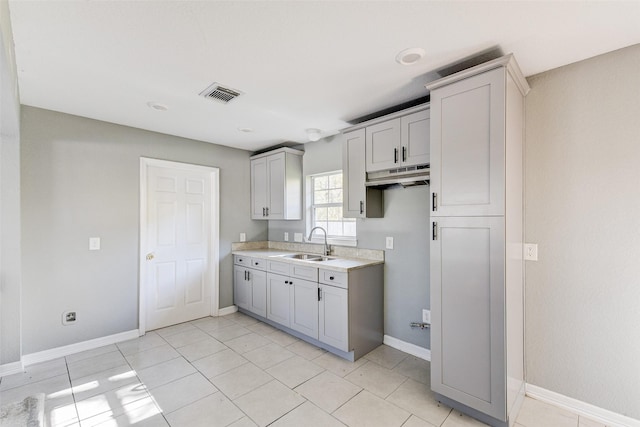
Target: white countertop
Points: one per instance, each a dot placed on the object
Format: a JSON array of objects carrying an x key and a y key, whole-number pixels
[{"x": 337, "y": 264}]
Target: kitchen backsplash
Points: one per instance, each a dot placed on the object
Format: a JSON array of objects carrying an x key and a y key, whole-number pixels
[{"x": 312, "y": 248}]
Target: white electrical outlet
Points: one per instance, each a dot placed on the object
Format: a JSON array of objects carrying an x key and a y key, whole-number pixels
[
  {"x": 426, "y": 316},
  {"x": 297, "y": 237},
  {"x": 94, "y": 243},
  {"x": 389, "y": 243},
  {"x": 69, "y": 317},
  {"x": 243, "y": 237},
  {"x": 286, "y": 236},
  {"x": 530, "y": 252}
]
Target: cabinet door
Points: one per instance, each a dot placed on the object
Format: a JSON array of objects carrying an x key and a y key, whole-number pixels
[
  {"x": 278, "y": 300},
  {"x": 258, "y": 300},
  {"x": 467, "y": 312},
  {"x": 467, "y": 146},
  {"x": 241, "y": 287},
  {"x": 353, "y": 174},
  {"x": 259, "y": 188},
  {"x": 415, "y": 138},
  {"x": 276, "y": 182},
  {"x": 383, "y": 145},
  {"x": 333, "y": 318},
  {"x": 304, "y": 307}
]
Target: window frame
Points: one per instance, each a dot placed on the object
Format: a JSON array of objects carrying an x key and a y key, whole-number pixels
[{"x": 332, "y": 240}]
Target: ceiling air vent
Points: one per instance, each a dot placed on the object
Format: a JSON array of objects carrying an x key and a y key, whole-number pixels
[{"x": 220, "y": 93}]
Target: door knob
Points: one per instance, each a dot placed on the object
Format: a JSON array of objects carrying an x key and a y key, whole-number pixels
[{"x": 150, "y": 256}]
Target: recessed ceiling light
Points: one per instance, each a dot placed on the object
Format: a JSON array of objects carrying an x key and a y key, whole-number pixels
[
  {"x": 157, "y": 106},
  {"x": 313, "y": 134},
  {"x": 246, "y": 130},
  {"x": 410, "y": 56}
]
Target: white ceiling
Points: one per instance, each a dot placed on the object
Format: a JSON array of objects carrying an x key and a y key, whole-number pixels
[{"x": 300, "y": 64}]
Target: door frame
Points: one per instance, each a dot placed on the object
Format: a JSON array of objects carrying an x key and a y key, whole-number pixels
[{"x": 214, "y": 245}]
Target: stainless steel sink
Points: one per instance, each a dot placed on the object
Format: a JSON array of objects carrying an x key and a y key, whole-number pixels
[
  {"x": 309, "y": 257},
  {"x": 305, "y": 257}
]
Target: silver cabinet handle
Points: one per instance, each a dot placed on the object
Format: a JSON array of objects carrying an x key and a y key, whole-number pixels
[
  {"x": 267, "y": 211},
  {"x": 361, "y": 207},
  {"x": 319, "y": 294},
  {"x": 404, "y": 154},
  {"x": 395, "y": 155},
  {"x": 434, "y": 231},
  {"x": 434, "y": 202}
]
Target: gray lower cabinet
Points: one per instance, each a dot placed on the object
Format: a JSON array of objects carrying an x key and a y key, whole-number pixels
[
  {"x": 468, "y": 340},
  {"x": 333, "y": 317},
  {"x": 250, "y": 285},
  {"x": 337, "y": 310},
  {"x": 278, "y": 301}
]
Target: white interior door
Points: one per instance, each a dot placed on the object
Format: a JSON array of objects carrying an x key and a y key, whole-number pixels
[{"x": 178, "y": 244}]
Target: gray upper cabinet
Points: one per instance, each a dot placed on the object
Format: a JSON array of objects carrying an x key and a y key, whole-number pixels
[
  {"x": 398, "y": 142},
  {"x": 358, "y": 201},
  {"x": 414, "y": 138},
  {"x": 383, "y": 145},
  {"x": 468, "y": 146},
  {"x": 477, "y": 318},
  {"x": 276, "y": 185}
]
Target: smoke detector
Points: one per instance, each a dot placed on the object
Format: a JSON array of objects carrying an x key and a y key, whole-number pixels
[{"x": 220, "y": 93}]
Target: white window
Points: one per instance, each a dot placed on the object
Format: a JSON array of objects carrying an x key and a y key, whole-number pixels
[{"x": 326, "y": 209}]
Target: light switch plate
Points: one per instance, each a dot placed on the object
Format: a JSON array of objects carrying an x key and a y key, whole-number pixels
[
  {"x": 531, "y": 251},
  {"x": 286, "y": 236},
  {"x": 243, "y": 237},
  {"x": 297, "y": 237},
  {"x": 389, "y": 243},
  {"x": 94, "y": 243},
  {"x": 426, "y": 316}
]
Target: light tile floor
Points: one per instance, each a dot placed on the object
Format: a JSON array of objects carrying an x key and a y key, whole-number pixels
[{"x": 237, "y": 371}]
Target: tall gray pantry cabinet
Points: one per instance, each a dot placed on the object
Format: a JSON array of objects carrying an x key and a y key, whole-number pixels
[{"x": 477, "y": 135}]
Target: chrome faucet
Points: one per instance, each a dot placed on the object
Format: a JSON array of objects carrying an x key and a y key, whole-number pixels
[{"x": 327, "y": 248}]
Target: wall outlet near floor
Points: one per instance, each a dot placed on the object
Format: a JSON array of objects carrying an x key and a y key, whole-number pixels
[
  {"x": 531, "y": 251},
  {"x": 286, "y": 236},
  {"x": 69, "y": 318},
  {"x": 426, "y": 316},
  {"x": 243, "y": 237},
  {"x": 94, "y": 243},
  {"x": 389, "y": 243},
  {"x": 297, "y": 237}
]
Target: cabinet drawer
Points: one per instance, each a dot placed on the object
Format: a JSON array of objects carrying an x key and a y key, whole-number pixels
[
  {"x": 242, "y": 260},
  {"x": 278, "y": 267},
  {"x": 259, "y": 263},
  {"x": 334, "y": 278},
  {"x": 304, "y": 272}
]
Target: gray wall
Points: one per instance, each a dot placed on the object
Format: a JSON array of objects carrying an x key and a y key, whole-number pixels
[
  {"x": 9, "y": 196},
  {"x": 80, "y": 178},
  {"x": 583, "y": 210},
  {"x": 406, "y": 219}
]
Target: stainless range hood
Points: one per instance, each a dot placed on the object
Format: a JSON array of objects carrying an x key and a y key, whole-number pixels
[{"x": 406, "y": 177}]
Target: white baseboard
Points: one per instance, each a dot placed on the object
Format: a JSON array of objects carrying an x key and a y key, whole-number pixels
[
  {"x": 412, "y": 349},
  {"x": 11, "y": 368},
  {"x": 227, "y": 310},
  {"x": 610, "y": 418},
  {"x": 54, "y": 353}
]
